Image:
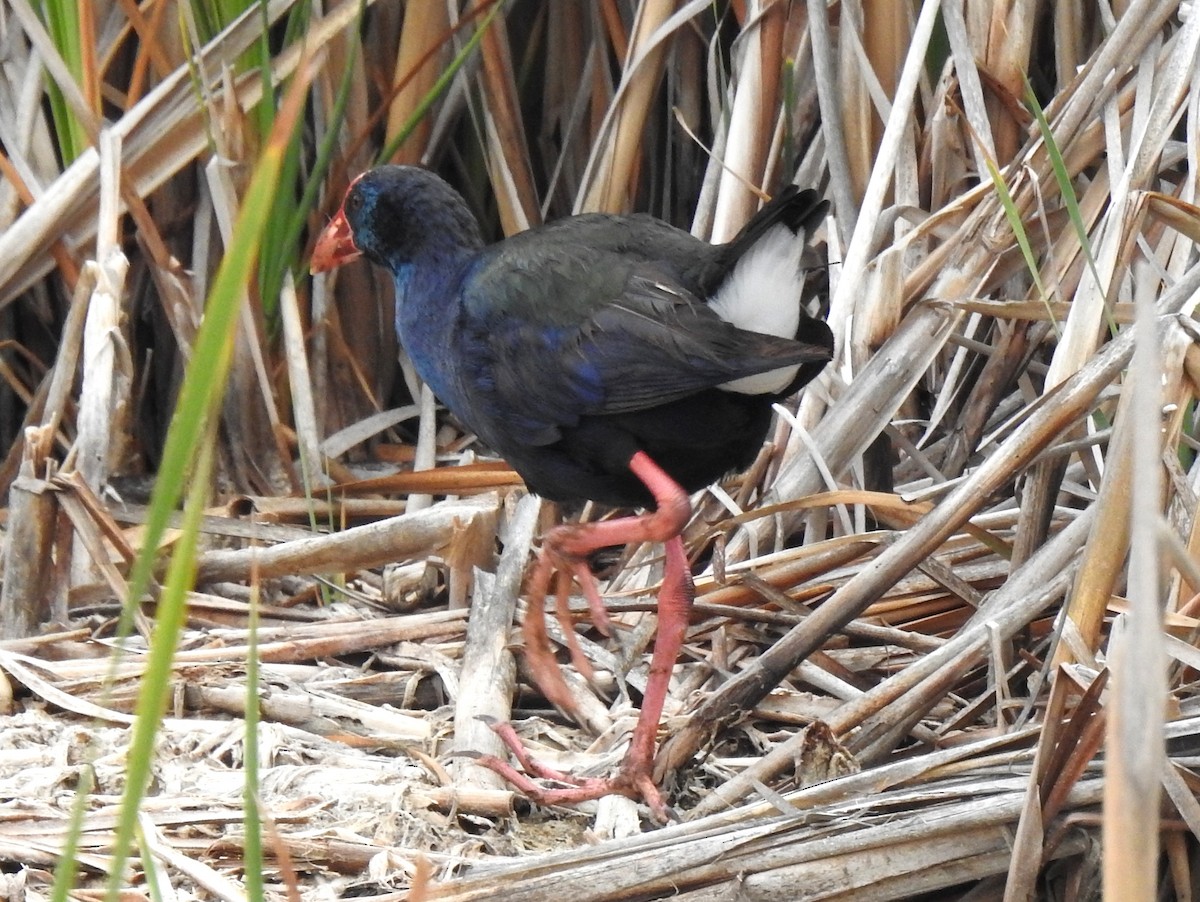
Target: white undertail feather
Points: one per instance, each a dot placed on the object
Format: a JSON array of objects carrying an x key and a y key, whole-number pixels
[{"x": 762, "y": 294}]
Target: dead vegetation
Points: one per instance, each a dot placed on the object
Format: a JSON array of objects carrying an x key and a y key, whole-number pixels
[{"x": 945, "y": 630}]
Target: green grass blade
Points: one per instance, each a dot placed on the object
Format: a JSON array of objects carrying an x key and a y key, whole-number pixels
[
  {"x": 190, "y": 439},
  {"x": 156, "y": 684},
  {"x": 328, "y": 145},
  {"x": 1067, "y": 190},
  {"x": 1013, "y": 215},
  {"x": 440, "y": 86},
  {"x": 63, "y": 24},
  {"x": 252, "y": 849},
  {"x": 68, "y": 864}
]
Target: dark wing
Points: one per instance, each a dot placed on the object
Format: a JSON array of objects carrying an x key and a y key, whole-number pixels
[
  {"x": 657, "y": 344},
  {"x": 563, "y": 330}
]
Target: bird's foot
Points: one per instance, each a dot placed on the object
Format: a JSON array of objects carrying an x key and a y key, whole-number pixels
[
  {"x": 632, "y": 779},
  {"x": 565, "y": 550}
]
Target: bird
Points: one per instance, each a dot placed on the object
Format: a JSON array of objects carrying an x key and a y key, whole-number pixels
[{"x": 607, "y": 358}]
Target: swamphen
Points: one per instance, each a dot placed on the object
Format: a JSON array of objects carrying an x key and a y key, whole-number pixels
[{"x": 610, "y": 358}]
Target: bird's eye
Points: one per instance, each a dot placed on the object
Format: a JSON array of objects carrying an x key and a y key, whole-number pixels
[{"x": 354, "y": 203}]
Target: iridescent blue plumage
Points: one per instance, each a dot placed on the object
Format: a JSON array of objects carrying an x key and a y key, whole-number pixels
[{"x": 569, "y": 347}]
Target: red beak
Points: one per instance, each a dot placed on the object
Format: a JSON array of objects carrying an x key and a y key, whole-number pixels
[{"x": 335, "y": 246}]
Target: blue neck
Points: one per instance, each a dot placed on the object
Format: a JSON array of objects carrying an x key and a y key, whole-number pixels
[{"x": 427, "y": 314}]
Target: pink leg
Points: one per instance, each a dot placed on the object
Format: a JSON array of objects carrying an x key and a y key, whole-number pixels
[{"x": 568, "y": 547}]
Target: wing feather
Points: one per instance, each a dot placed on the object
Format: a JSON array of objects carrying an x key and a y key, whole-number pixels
[{"x": 597, "y": 334}]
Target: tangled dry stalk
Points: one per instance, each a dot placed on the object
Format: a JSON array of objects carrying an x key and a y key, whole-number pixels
[{"x": 945, "y": 634}]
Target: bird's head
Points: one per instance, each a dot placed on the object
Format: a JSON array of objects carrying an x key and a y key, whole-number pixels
[{"x": 396, "y": 216}]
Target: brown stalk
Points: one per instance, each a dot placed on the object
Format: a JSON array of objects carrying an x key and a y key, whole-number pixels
[{"x": 418, "y": 58}]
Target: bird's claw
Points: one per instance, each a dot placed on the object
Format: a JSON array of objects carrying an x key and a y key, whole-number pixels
[
  {"x": 631, "y": 780},
  {"x": 538, "y": 654}
]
